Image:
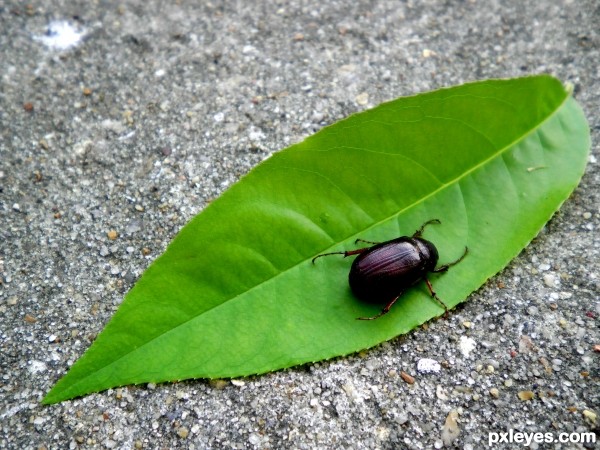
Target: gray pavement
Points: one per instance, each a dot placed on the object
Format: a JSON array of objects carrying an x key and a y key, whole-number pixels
[{"x": 130, "y": 117}]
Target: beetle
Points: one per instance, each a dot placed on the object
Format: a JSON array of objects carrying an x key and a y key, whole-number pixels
[{"x": 384, "y": 271}]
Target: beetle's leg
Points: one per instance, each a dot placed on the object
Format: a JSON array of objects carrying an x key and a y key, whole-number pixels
[
  {"x": 419, "y": 232},
  {"x": 347, "y": 253},
  {"x": 434, "y": 295},
  {"x": 368, "y": 242},
  {"x": 385, "y": 310},
  {"x": 447, "y": 266}
]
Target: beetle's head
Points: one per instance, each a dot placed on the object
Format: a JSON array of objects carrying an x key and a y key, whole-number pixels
[{"x": 428, "y": 252}]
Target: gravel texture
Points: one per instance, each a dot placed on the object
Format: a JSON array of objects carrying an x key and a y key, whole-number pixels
[{"x": 108, "y": 148}]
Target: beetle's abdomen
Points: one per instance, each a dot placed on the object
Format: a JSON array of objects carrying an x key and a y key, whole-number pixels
[{"x": 386, "y": 270}]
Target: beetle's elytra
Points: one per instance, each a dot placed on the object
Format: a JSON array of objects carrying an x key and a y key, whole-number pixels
[{"x": 383, "y": 272}]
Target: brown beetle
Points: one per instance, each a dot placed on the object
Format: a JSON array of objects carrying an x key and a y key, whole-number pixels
[{"x": 383, "y": 272}]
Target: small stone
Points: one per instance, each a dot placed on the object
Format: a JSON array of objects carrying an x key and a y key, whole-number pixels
[
  {"x": 52, "y": 338},
  {"x": 12, "y": 301},
  {"x": 463, "y": 389},
  {"x": 525, "y": 395},
  {"x": 218, "y": 384},
  {"x": 596, "y": 348},
  {"x": 494, "y": 392},
  {"x": 146, "y": 251},
  {"x": 526, "y": 345},
  {"x": 441, "y": 393},
  {"x": 112, "y": 235},
  {"x": 254, "y": 439},
  {"x": 39, "y": 420},
  {"x": 128, "y": 117},
  {"x": 546, "y": 364},
  {"x": 37, "y": 367},
  {"x": 590, "y": 416},
  {"x": 550, "y": 280},
  {"x": 138, "y": 445},
  {"x": 87, "y": 91},
  {"x": 466, "y": 345},
  {"x": 467, "y": 324},
  {"x": 508, "y": 383},
  {"x": 183, "y": 432},
  {"x": 427, "y": 365},
  {"x": 427, "y": 53},
  {"x": 133, "y": 226},
  {"x": 28, "y": 106},
  {"x": 450, "y": 431},
  {"x": 139, "y": 208},
  {"x": 406, "y": 377},
  {"x": 238, "y": 383},
  {"x": 113, "y": 126},
  {"x": 362, "y": 99},
  {"x": 30, "y": 319}
]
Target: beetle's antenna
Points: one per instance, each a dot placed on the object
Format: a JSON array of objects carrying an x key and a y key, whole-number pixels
[
  {"x": 347, "y": 253},
  {"x": 447, "y": 266},
  {"x": 419, "y": 232},
  {"x": 366, "y": 242},
  {"x": 328, "y": 254}
]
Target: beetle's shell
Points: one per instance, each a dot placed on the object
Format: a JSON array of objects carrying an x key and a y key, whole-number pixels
[{"x": 384, "y": 271}]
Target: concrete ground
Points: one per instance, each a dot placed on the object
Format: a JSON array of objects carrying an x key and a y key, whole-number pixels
[{"x": 131, "y": 116}]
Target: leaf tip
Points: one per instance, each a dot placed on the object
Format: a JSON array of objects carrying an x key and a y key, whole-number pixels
[
  {"x": 49, "y": 399},
  {"x": 569, "y": 87}
]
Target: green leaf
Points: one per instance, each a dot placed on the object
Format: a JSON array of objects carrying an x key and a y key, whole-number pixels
[{"x": 236, "y": 294}]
